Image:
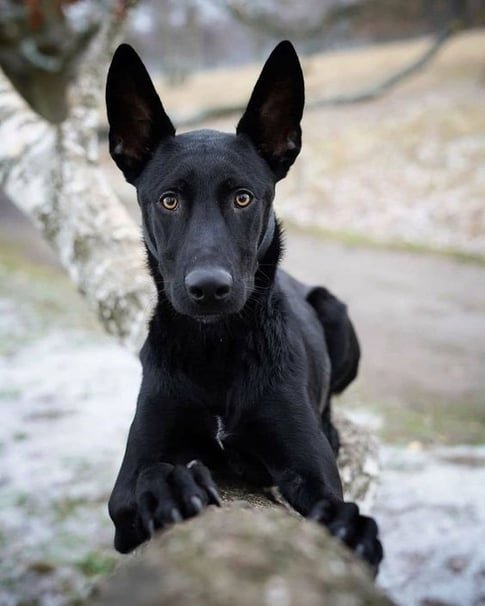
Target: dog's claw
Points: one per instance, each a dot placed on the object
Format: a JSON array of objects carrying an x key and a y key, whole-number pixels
[
  {"x": 313, "y": 516},
  {"x": 320, "y": 512},
  {"x": 151, "y": 528},
  {"x": 359, "y": 550},
  {"x": 340, "y": 532},
  {"x": 167, "y": 494},
  {"x": 215, "y": 497},
  {"x": 176, "y": 515},
  {"x": 345, "y": 522},
  {"x": 197, "y": 503}
]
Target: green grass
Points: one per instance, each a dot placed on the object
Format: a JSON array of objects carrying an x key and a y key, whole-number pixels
[
  {"x": 20, "y": 436},
  {"x": 64, "y": 508},
  {"x": 10, "y": 394},
  {"x": 356, "y": 239},
  {"x": 44, "y": 295},
  {"x": 426, "y": 418},
  {"x": 96, "y": 563},
  {"x": 12, "y": 259}
]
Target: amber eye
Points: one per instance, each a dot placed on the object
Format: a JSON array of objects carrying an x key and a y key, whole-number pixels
[
  {"x": 243, "y": 198},
  {"x": 169, "y": 200}
]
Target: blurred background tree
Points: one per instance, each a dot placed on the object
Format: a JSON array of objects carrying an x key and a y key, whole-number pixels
[
  {"x": 237, "y": 31},
  {"x": 43, "y": 41},
  {"x": 56, "y": 53}
]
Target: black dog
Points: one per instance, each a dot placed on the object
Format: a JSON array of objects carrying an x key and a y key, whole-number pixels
[{"x": 240, "y": 359}]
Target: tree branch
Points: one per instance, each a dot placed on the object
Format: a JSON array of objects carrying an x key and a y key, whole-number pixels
[
  {"x": 269, "y": 23},
  {"x": 234, "y": 555},
  {"x": 261, "y": 557},
  {"x": 377, "y": 90},
  {"x": 51, "y": 173},
  {"x": 367, "y": 94}
]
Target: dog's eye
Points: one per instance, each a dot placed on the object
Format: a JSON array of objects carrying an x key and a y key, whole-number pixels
[
  {"x": 243, "y": 198},
  {"x": 169, "y": 200}
]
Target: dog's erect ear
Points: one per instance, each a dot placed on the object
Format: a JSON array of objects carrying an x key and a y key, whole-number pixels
[
  {"x": 136, "y": 116},
  {"x": 272, "y": 117}
]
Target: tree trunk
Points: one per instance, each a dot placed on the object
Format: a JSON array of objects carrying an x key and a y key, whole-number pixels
[
  {"x": 262, "y": 557},
  {"x": 51, "y": 173}
]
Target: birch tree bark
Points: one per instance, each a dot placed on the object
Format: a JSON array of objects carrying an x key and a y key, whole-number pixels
[
  {"x": 51, "y": 173},
  {"x": 241, "y": 557}
]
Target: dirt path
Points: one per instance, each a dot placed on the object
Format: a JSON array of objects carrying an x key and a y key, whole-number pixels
[{"x": 421, "y": 322}]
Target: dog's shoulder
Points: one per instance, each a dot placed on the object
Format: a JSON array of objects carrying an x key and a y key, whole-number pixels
[
  {"x": 302, "y": 319},
  {"x": 296, "y": 293}
]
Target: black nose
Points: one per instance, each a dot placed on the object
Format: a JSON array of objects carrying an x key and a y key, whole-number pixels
[{"x": 206, "y": 286}]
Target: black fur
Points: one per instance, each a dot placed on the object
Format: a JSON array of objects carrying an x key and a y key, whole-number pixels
[{"x": 240, "y": 359}]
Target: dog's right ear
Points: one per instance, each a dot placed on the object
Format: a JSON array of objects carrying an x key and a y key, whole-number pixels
[{"x": 137, "y": 120}]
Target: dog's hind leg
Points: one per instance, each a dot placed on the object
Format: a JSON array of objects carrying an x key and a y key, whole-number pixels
[{"x": 343, "y": 350}]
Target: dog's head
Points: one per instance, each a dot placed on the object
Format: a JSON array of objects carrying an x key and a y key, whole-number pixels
[{"x": 206, "y": 196}]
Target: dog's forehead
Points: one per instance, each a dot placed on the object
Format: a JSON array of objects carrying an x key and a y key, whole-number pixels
[
  {"x": 207, "y": 151},
  {"x": 206, "y": 137},
  {"x": 209, "y": 141}
]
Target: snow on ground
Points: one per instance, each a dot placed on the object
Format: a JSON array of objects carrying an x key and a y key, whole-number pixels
[
  {"x": 66, "y": 401},
  {"x": 431, "y": 508}
]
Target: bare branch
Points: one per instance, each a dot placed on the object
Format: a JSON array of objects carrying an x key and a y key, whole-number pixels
[
  {"x": 269, "y": 23},
  {"x": 367, "y": 94},
  {"x": 377, "y": 90},
  {"x": 233, "y": 556}
]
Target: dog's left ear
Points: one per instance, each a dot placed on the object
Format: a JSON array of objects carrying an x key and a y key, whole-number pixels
[{"x": 272, "y": 117}]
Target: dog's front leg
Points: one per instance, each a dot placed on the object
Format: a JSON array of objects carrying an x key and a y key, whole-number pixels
[
  {"x": 285, "y": 435},
  {"x": 161, "y": 480}
]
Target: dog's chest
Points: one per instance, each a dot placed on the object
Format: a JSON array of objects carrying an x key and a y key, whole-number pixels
[
  {"x": 225, "y": 378},
  {"x": 225, "y": 375}
]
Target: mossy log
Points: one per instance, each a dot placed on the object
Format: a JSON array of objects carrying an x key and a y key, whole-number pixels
[
  {"x": 254, "y": 551},
  {"x": 237, "y": 556}
]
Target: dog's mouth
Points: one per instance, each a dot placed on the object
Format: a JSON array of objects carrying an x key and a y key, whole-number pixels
[
  {"x": 209, "y": 318},
  {"x": 206, "y": 313}
]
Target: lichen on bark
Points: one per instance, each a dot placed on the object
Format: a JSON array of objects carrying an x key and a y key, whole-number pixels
[
  {"x": 241, "y": 557},
  {"x": 256, "y": 550}
]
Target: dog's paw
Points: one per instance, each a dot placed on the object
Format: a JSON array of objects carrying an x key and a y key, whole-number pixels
[
  {"x": 358, "y": 532},
  {"x": 166, "y": 494}
]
